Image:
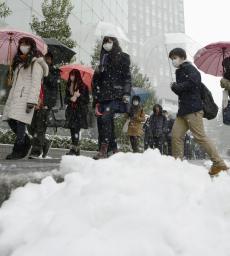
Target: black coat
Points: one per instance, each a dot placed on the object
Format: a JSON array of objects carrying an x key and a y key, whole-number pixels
[
  {"x": 157, "y": 123},
  {"x": 188, "y": 89},
  {"x": 77, "y": 113},
  {"x": 50, "y": 84},
  {"x": 114, "y": 82}
]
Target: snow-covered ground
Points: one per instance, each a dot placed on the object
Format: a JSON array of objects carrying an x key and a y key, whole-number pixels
[{"x": 128, "y": 205}]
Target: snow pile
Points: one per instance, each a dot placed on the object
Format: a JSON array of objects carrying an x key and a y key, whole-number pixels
[{"x": 128, "y": 205}]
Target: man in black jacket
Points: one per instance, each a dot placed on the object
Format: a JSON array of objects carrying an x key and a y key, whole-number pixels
[
  {"x": 48, "y": 98},
  {"x": 157, "y": 126},
  {"x": 190, "y": 113},
  {"x": 168, "y": 133}
]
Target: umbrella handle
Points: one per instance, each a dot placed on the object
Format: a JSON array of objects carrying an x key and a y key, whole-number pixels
[
  {"x": 10, "y": 61},
  {"x": 223, "y": 52},
  {"x": 170, "y": 68}
]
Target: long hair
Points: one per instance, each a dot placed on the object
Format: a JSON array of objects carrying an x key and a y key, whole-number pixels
[
  {"x": 226, "y": 66},
  {"x": 114, "y": 53},
  {"x": 78, "y": 79},
  {"x": 32, "y": 53}
]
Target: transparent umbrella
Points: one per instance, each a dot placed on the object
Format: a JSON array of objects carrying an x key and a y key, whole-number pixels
[{"x": 108, "y": 29}]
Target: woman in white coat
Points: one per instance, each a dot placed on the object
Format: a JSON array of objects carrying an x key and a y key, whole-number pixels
[{"x": 29, "y": 71}]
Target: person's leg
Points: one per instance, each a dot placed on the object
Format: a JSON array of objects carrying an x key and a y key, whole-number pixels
[
  {"x": 196, "y": 126},
  {"x": 113, "y": 142},
  {"x": 179, "y": 130},
  {"x": 106, "y": 127},
  {"x": 169, "y": 144},
  {"x": 74, "y": 149}
]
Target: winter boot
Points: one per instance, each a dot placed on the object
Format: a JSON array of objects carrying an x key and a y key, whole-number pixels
[
  {"x": 215, "y": 170},
  {"x": 74, "y": 151},
  {"x": 17, "y": 152},
  {"x": 46, "y": 148},
  {"x": 103, "y": 153}
]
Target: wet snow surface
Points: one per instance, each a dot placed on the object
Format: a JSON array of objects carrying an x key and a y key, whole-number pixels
[{"x": 128, "y": 205}]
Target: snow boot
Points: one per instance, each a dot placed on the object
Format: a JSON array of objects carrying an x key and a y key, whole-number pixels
[
  {"x": 215, "y": 170},
  {"x": 74, "y": 151},
  {"x": 103, "y": 153},
  {"x": 17, "y": 153}
]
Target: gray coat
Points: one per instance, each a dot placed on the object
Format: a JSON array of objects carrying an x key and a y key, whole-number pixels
[{"x": 25, "y": 89}]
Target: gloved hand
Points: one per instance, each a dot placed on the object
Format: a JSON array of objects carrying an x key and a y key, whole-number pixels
[
  {"x": 126, "y": 99},
  {"x": 29, "y": 107}
]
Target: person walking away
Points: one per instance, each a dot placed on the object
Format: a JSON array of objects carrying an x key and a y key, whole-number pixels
[
  {"x": 146, "y": 134},
  {"x": 157, "y": 128},
  {"x": 137, "y": 117},
  {"x": 77, "y": 100},
  {"x": 48, "y": 98},
  {"x": 190, "y": 114},
  {"x": 111, "y": 92},
  {"x": 168, "y": 133},
  {"x": 225, "y": 82},
  {"x": 29, "y": 70}
]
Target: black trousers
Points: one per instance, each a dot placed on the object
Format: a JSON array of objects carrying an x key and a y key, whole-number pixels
[
  {"x": 75, "y": 134},
  {"x": 157, "y": 142},
  {"x": 19, "y": 129},
  {"x": 134, "y": 140},
  {"x": 38, "y": 129}
]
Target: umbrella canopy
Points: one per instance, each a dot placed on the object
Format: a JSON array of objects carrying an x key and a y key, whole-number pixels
[
  {"x": 61, "y": 53},
  {"x": 141, "y": 92},
  {"x": 86, "y": 73},
  {"x": 9, "y": 43},
  {"x": 209, "y": 59},
  {"x": 108, "y": 29}
]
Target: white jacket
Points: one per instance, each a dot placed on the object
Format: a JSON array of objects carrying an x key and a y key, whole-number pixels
[{"x": 25, "y": 89}]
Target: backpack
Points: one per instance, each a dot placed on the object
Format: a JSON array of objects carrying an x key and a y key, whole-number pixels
[{"x": 209, "y": 106}]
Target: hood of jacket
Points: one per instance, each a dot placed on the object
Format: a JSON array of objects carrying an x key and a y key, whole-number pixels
[{"x": 43, "y": 64}]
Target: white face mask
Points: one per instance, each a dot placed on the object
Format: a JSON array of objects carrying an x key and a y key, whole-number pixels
[
  {"x": 25, "y": 49},
  {"x": 135, "y": 102},
  {"x": 177, "y": 62},
  {"x": 72, "y": 78},
  {"x": 108, "y": 46}
]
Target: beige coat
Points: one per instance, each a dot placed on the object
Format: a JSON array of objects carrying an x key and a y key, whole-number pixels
[
  {"x": 135, "y": 124},
  {"x": 25, "y": 89}
]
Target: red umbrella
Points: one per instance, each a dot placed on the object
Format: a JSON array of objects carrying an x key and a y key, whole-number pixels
[
  {"x": 209, "y": 59},
  {"x": 9, "y": 43},
  {"x": 86, "y": 73}
]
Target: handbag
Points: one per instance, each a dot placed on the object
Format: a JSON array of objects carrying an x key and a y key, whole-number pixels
[
  {"x": 126, "y": 126},
  {"x": 226, "y": 114},
  {"x": 56, "y": 118}
]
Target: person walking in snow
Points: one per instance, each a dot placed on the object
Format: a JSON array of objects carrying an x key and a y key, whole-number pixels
[
  {"x": 136, "y": 116},
  {"x": 111, "y": 92},
  {"x": 48, "y": 98},
  {"x": 77, "y": 100},
  {"x": 157, "y": 127},
  {"x": 190, "y": 114},
  {"x": 29, "y": 70},
  {"x": 168, "y": 133}
]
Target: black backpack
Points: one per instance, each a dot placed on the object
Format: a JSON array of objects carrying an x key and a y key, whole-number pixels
[{"x": 209, "y": 106}]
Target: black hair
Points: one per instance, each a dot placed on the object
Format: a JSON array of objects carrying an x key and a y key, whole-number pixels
[
  {"x": 226, "y": 66},
  {"x": 49, "y": 55},
  {"x": 114, "y": 53},
  {"x": 179, "y": 52},
  {"x": 136, "y": 97},
  {"x": 33, "y": 52},
  {"x": 78, "y": 78}
]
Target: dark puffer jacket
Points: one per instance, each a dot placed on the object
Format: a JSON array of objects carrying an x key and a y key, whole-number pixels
[
  {"x": 77, "y": 113},
  {"x": 188, "y": 89},
  {"x": 51, "y": 87},
  {"x": 115, "y": 81},
  {"x": 157, "y": 123}
]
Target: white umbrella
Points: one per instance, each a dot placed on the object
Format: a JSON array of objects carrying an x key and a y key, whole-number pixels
[{"x": 108, "y": 29}]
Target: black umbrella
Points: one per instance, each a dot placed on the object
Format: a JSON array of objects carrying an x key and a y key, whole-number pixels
[{"x": 62, "y": 54}]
